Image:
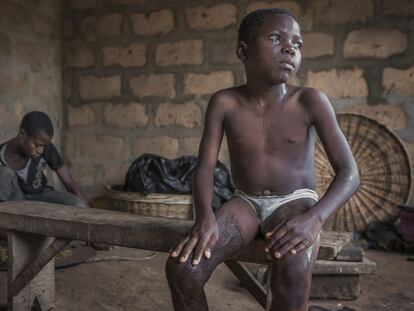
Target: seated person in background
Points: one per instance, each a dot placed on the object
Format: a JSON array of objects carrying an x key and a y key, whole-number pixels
[{"x": 23, "y": 160}]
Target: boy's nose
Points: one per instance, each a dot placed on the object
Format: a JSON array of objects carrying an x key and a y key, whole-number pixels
[{"x": 288, "y": 49}]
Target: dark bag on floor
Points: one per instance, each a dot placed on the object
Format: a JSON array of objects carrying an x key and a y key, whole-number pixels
[{"x": 155, "y": 174}]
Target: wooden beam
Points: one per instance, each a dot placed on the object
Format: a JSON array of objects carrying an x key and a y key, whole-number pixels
[
  {"x": 47, "y": 250},
  {"x": 249, "y": 281},
  {"x": 95, "y": 225},
  {"x": 23, "y": 249},
  {"x": 119, "y": 228}
]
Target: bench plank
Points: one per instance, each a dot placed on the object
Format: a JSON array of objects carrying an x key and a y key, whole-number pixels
[
  {"x": 95, "y": 225},
  {"x": 119, "y": 228}
]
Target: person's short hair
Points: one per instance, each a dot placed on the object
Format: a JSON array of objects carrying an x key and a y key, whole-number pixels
[
  {"x": 255, "y": 19},
  {"x": 36, "y": 122}
]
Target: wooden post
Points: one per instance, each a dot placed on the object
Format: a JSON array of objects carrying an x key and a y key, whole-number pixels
[
  {"x": 23, "y": 249},
  {"x": 249, "y": 281}
]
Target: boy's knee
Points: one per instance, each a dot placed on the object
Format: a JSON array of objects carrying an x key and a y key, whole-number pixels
[
  {"x": 178, "y": 272},
  {"x": 78, "y": 202},
  {"x": 6, "y": 173},
  {"x": 72, "y": 200}
]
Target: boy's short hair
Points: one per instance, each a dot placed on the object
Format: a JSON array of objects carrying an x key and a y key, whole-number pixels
[
  {"x": 36, "y": 122},
  {"x": 255, "y": 19}
]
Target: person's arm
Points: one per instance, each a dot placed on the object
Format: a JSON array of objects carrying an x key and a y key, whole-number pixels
[
  {"x": 66, "y": 178},
  {"x": 301, "y": 231},
  {"x": 204, "y": 234}
]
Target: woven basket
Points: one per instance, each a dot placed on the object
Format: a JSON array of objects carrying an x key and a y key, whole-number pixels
[
  {"x": 154, "y": 204},
  {"x": 385, "y": 172}
]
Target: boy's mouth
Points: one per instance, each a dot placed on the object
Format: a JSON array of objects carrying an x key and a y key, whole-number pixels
[{"x": 287, "y": 65}]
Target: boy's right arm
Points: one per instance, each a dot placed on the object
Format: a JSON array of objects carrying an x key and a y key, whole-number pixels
[{"x": 204, "y": 234}]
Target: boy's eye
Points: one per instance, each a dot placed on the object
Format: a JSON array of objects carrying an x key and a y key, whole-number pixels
[
  {"x": 275, "y": 37},
  {"x": 298, "y": 45}
]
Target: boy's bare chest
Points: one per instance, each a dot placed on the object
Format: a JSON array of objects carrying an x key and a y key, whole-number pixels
[
  {"x": 15, "y": 163},
  {"x": 272, "y": 130}
]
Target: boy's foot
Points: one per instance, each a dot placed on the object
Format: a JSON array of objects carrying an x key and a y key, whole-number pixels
[{"x": 101, "y": 246}]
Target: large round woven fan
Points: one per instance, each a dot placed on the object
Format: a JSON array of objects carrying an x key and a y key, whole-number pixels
[{"x": 384, "y": 168}]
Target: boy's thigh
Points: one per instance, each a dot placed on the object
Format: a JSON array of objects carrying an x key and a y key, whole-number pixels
[
  {"x": 9, "y": 185},
  {"x": 237, "y": 227},
  {"x": 58, "y": 197},
  {"x": 286, "y": 212},
  {"x": 238, "y": 211}
]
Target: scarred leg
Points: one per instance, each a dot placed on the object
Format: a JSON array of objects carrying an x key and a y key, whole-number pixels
[{"x": 237, "y": 226}]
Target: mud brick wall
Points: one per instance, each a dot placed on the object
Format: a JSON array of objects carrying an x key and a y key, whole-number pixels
[
  {"x": 137, "y": 74},
  {"x": 30, "y": 63}
]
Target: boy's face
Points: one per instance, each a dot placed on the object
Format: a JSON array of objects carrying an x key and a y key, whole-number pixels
[
  {"x": 33, "y": 146},
  {"x": 273, "y": 52}
]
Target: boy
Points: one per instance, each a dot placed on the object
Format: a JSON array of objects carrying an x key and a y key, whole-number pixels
[
  {"x": 271, "y": 129},
  {"x": 23, "y": 160}
]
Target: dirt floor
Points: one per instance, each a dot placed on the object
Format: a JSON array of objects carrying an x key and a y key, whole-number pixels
[{"x": 140, "y": 285}]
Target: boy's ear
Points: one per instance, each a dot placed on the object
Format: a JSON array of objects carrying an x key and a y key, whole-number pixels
[
  {"x": 241, "y": 51},
  {"x": 22, "y": 132}
]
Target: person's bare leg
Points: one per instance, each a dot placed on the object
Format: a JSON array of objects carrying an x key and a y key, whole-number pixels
[
  {"x": 290, "y": 280},
  {"x": 238, "y": 225},
  {"x": 290, "y": 276}
]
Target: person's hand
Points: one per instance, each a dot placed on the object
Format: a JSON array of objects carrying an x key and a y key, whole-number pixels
[
  {"x": 292, "y": 236},
  {"x": 201, "y": 238}
]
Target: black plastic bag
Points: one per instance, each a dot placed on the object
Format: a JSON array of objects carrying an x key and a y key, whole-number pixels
[
  {"x": 384, "y": 236},
  {"x": 155, "y": 174}
]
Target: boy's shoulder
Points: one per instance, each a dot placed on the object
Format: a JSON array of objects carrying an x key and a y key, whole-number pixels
[
  {"x": 309, "y": 94},
  {"x": 231, "y": 93},
  {"x": 226, "y": 98},
  {"x": 311, "y": 98}
]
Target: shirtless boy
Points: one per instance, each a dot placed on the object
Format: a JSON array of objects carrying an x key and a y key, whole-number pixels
[
  {"x": 271, "y": 128},
  {"x": 23, "y": 160}
]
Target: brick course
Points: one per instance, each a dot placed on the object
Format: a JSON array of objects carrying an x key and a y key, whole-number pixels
[
  {"x": 78, "y": 116},
  {"x": 161, "y": 145},
  {"x": 339, "y": 83},
  {"x": 133, "y": 55},
  {"x": 131, "y": 115},
  {"x": 160, "y": 22},
  {"x": 100, "y": 87},
  {"x": 203, "y": 84},
  {"x": 317, "y": 44},
  {"x": 216, "y": 17},
  {"x": 153, "y": 85},
  {"x": 380, "y": 43},
  {"x": 187, "y": 52},
  {"x": 398, "y": 81},
  {"x": 187, "y": 115}
]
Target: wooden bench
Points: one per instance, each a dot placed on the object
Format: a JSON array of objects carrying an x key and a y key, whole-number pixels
[{"x": 38, "y": 231}]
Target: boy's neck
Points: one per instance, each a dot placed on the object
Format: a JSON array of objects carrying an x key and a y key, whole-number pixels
[
  {"x": 14, "y": 150},
  {"x": 265, "y": 93}
]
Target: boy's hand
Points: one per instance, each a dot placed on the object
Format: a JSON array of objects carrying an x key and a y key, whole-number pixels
[
  {"x": 292, "y": 236},
  {"x": 201, "y": 238}
]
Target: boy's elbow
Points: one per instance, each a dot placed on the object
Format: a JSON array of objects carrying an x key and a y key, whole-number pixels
[
  {"x": 350, "y": 177},
  {"x": 354, "y": 179}
]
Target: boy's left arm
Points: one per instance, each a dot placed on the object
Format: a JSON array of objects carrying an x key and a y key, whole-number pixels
[
  {"x": 301, "y": 231},
  {"x": 66, "y": 178}
]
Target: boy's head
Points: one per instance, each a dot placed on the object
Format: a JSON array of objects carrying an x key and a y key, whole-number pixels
[
  {"x": 256, "y": 19},
  {"x": 269, "y": 44},
  {"x": 35, "y": 132}
]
